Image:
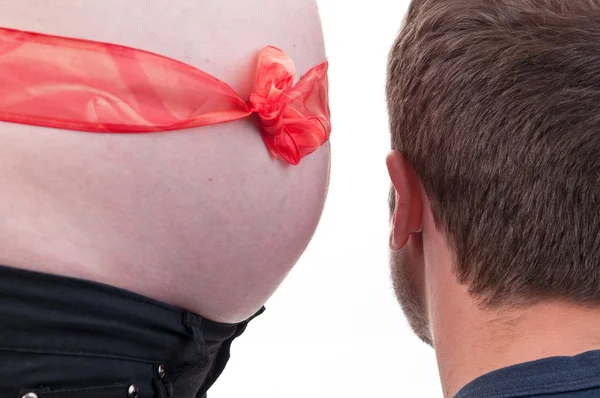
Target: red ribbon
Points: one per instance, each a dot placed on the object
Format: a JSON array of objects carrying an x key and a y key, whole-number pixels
[{"x": 91, "y": 86}]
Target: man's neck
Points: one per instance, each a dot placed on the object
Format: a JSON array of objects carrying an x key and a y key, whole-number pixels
[{"x": 476, "y": 342}]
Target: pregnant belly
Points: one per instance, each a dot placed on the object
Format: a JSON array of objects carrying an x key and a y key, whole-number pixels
[{"x": 190, "y": 219}]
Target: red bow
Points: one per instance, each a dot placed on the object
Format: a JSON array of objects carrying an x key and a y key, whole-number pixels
[
  {"x": 84, "y": 85},
  {"x": 288, "y": 112}
]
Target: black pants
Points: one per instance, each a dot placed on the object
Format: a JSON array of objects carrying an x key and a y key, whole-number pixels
[{"x": 68, "y": 338}]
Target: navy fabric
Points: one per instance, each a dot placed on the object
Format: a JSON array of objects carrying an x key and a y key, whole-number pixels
[{"x": 556, "y": 377}]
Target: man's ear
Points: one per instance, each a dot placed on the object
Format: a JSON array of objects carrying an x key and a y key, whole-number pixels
[{"x": 406, "y": 218}]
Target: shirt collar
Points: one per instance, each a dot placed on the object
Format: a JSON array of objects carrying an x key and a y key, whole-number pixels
[{"x": 545, "y": 376}]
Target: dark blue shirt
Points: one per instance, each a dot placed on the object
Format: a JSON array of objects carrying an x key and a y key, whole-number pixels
[{"x": 556, "y": 377}]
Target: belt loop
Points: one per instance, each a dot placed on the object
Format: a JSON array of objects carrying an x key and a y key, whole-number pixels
[
  {"x": 194, "y": 325},
  {"x": 187, "y": 380}
]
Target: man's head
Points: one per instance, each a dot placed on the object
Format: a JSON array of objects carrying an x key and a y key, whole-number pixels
[{"x": 494, "y": 114}]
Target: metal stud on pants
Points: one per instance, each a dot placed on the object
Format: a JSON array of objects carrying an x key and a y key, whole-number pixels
[
  {"x": 161, "y": 372},
  {"x": 132, "y": 391}
]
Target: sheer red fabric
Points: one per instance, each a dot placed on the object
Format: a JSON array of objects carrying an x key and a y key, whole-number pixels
[{"x": 91, "y": 86}]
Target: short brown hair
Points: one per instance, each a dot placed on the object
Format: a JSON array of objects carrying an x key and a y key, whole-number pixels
[{"x": 496, "y": 105}]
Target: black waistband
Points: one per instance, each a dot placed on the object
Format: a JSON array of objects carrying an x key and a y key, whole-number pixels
[{"x": 54, "y": 315}]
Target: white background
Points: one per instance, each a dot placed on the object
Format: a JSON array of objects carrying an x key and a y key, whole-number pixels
[{"x": 334, "y": 328}]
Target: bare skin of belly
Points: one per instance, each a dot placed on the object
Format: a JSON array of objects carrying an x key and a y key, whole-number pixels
[{"x": 203, "y": 219}]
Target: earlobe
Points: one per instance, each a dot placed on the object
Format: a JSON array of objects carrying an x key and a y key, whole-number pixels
[{"x": 406, "y": 218}]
